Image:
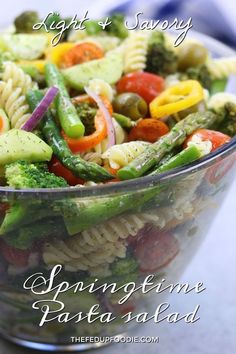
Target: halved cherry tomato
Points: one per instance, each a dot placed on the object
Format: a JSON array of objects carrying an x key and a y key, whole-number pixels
[
  {"x": 87, "y": 142},
  {"x": 56, "y": 167},
  {"x": 155, "y": 249},
  {"x": 81, "y": 53},
  {"x": 216, "y": 138},
  {"x": 146, "y": 85},
  {"x": 219, "y": 170},
  {"x": 14, "y": 256},
  {"x": 148, "y": 129}
]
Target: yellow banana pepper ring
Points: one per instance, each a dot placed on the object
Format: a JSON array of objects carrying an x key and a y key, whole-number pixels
[{"x": 177, "y": 98}]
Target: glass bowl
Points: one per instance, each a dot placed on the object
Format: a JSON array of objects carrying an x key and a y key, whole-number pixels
[{"x": 116, "y": 234}]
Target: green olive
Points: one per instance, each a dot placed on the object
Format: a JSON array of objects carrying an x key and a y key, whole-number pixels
[
  {"x": 191, "y": 55},
  {"x": 130, "y": 105}
]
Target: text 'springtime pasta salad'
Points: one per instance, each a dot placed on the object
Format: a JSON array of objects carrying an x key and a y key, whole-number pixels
[{"x": 103, "y": 106}]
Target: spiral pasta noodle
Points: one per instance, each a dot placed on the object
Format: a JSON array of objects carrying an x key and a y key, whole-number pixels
[
  {"x": 120, "y": 155},
  {"x": 100, "y": 245},
  {"x": 92, "y": 157},
  {"x": 115, "y": 229},
  {"x": 13, "y": 101},
  {"x": 18, "y": 77},
  {"x": 222, "y": 67},
  {"x": 13, "y": 86},
  {"x": 136, "y": 51},
  {"x": 101, "y": 87},
  {"x": 60, "y": 252},
  {"x": 218, "y": 100}
]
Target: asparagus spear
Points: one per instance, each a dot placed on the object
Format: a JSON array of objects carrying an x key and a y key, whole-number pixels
[
  {"x": 67, "y": 114},
  {"x": 79, "y": 167},
  {"x": 154, "y": 153},
  {"x": 183, "y": 158},
  {"x": 98, "y": 211}
]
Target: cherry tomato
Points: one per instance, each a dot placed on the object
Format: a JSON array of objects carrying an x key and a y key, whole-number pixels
[
  {"x": 155, "y": 249},
  {"x": 81, "y": 53},
  {"x": 148, "y": 129},
  {"x": 14, "y": 256},
  {"x": 58, "y": 169},
  {"x": 218, "y": 171},
  {"x": 146, "y": 85},
  {"x": 216, "y": 138}
]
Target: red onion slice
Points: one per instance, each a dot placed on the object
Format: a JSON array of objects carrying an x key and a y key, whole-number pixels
[
  {"x": 107, "y": 116},
  {"x": 40, "y": 110}
]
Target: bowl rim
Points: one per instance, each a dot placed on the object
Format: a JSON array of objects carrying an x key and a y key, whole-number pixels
[{"x": 141, "y": 182}]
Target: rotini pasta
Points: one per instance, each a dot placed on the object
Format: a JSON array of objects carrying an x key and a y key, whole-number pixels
[
  {"x": 101, "y": 87},
  {"x": 62, "y": 253},
  {"x": 18, "y": 77},
  {"x": 217, "y": 101},
  {"x": 13, "y": 101},
  {"x": 99, "y": 245},
  {"x": 92, "y": 157},
  {"x": 136, "y": 51},
  {"x": 120, "y": 155},
  {"x": 222, "y": 67},
  {"x": 13, "y": 86}
]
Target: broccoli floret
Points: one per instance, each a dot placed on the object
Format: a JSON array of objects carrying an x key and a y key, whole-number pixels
[
  {"x": 156, "y": 37},
  {"x": 24, "y": 22},
  {"x": 160, "y": 60},
  {"x": 199, "y": 73},
  {"x": 117, "y": 27},
  {"x": 86, "y": 114},
  {"x": 228, "y": 125},
  {"x": 23, "y": 174},
  {"x": 123, "y": 267},
  {"x": 92, "y": 27},
  {"x": 53, "y": 18}
]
